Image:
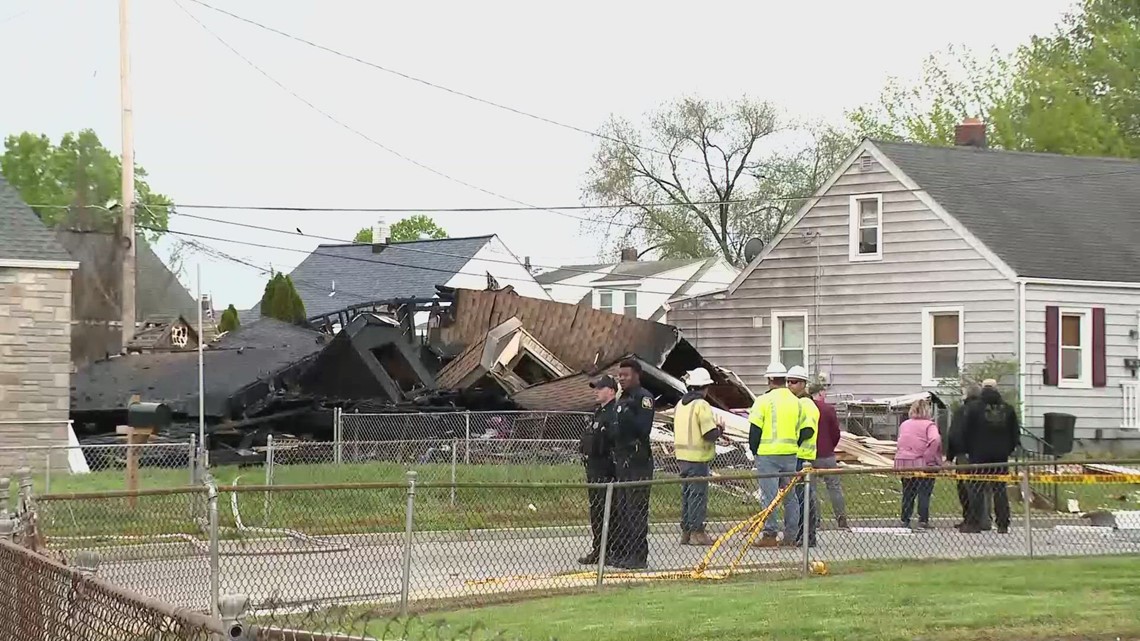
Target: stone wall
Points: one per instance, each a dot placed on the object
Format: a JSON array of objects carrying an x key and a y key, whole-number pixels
[{"x": 35, "y": 359}]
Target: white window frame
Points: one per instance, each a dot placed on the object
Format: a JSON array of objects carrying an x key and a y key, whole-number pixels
[
  {"x": 853, "y": 231},
  {"x": 775, "y": 332},
  {"x": 1085, "y": 381},
  {"x": 928, "y": 314},
  {"x": 598, "y": 300},
  {"x": 625, "y": 302}
]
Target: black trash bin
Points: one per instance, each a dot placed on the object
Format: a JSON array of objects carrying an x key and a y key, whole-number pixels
[{"x": 1059, "y": 430}]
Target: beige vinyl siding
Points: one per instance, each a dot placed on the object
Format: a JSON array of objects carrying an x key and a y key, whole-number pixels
[
  {"x": 865, "y": 325},
  {"x": 1098, "y": 408}
]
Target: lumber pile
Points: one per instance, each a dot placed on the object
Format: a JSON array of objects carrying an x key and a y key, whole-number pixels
[{"x": 865, "y": 451}]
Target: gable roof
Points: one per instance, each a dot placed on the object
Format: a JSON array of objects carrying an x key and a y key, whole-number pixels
[
  {"x": 1045, "y": 215},
  {"x": 617, "y": 272},
  {"x": 570, "y": 271},
  {"x": 25, "y": 237},
  {"x": 398, "y": 270}
]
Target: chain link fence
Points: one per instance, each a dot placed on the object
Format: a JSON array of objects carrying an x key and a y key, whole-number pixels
[
  {"x": 395, "y": 546},
  {"x": 467, "y": 426},
  {"x": 91, "y": 467}
]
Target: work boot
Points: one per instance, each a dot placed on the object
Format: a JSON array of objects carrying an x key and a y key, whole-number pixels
[
  {"x": 970, "y": 528},
  {"x": 841, "y": 523},
  {"x": 766, "y": 541},
  {"x": 790, "y": 543},
  {"x": 686, "y": 537},
  {"x": 589, "y": 559},
  {"x": 701, "y": 539},
  {"x": 1003, "y": 529}
]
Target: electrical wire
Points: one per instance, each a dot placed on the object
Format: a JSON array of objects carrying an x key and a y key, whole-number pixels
[{"x": 433, "y": 85}]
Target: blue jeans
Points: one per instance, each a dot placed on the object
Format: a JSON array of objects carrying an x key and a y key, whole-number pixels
[
  {"x": 785, "y": 465},
  {"x": 812, "y": 509},
  {"x": 694, "y": 496}
]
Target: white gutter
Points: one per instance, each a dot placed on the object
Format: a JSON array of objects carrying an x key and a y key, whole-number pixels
[
  {"x": 16, "y": 263},
  {"x": 1081, "y": 283}
]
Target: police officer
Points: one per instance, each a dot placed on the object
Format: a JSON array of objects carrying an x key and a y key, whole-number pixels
[
  {"x": 805, "y": 455},
  {"x": 598, "y": 455},
  {"x": 633, "y": 461}
]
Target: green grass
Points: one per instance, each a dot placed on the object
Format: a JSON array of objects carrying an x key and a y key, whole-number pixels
[
  {"x": 382, "y": 510},
  {"x": 962, "y": 601}
]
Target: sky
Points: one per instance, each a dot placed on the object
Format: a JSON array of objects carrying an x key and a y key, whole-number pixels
[{"x": 210, "y": 129}]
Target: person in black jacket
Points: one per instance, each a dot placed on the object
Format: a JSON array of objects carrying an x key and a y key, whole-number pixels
[
  {"x": 956, "y": 449},
  {"x": 633, "y": 461},
  {"x": 992, "y": 434},
  {"x": 598, "y": 456}
]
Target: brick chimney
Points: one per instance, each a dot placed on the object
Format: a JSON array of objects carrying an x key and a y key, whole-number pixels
[
  {"x": 629, "y": 255},
  {"x": 971, "y": 133}
]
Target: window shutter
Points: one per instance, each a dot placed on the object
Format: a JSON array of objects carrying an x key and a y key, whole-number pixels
[
  {"x": 1052, "y": 345},
  {"x": 1099, "y": 355}
]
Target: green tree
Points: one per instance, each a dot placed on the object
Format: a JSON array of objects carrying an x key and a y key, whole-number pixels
[
  {"x": 1073, "y": 92},
  {"x": 702, "y": 178},
  {"x": 229, "y": 320},
  {"x": 415, "y": 227},
  {"x": 78, "y": 182},
  {"x": 281, "y": 300}
]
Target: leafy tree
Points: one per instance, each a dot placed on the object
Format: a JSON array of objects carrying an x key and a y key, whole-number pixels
[
  {"x": 415, "y": 227},
  {"x": 1004, "y": 371},
  {"x": 281, "y": 300},
  {"x": 701, "y": 178},
  {"x": 229, "y": 321},
  {"x": 1073, "y": 92},
  {"x": 78, "y": 182}
]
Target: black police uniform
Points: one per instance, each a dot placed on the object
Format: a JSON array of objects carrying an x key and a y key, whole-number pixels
[
  {"x": 633, "y": 461},
  {"x": 597, "y": 454}
]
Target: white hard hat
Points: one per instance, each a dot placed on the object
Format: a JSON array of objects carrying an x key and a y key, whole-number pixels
[
  {"x": 798, "y": 373},
  {"x": 776, "y": 369},
  {"x": 698, "y": 377}
]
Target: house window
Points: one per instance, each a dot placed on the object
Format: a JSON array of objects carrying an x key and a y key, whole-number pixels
[
  {"x": 942, "y": 344},
  {"x": 866, "y": 215},
  {"x": 1075, "y": 357},
  {"x": 606, "y": 300},
  {"x": 789, "y": 338},
  {"x": 631, "y": 303}
]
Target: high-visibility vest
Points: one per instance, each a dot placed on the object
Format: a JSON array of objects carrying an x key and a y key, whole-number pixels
[
  {"x": 691, "y": 421},
  {"x": 810, "y": 419},
  {"x": 778, "y": 414}
]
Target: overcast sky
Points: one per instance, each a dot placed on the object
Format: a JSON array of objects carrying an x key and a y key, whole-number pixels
[{"x": 210, "y": 129}]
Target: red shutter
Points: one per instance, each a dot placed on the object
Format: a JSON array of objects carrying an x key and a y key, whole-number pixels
[
  {"x": 1052, "y": 345},
  {"x": 1099, "y": 356}
]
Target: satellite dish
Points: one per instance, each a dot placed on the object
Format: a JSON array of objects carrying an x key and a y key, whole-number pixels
[{"x": 752, "y": 249}]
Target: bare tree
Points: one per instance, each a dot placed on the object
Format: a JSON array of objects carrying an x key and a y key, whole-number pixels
[{"x": 704, "y": 178}]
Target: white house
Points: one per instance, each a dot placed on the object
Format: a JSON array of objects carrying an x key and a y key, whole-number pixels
[
  {"x": 912, "y": 262},
  {"x": 637, "y": 287}
]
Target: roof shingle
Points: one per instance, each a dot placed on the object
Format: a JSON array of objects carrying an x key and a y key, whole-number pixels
[
  {"x": 1045, "y": 215},
  {"x": 24, "y": 236}
]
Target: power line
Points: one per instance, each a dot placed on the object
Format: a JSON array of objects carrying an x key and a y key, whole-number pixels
[
  {"x": 433, "y": 85},
  {"x": 346, "y": 126}
]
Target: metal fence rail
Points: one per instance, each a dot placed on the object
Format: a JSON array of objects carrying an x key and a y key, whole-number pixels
[
  {"x": 467, "y": 426},
  {"x": 407, "y": 544},
  {"x": 100, "y": 466}
]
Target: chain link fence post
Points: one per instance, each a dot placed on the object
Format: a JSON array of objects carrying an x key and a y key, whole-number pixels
[
  {"x": 192, "y": 459},
  {"x": 805, "y": 518},
  {"x": 454, "y": 459},
  {"x": 1027, "y": 499},
  {"x": 467, "y": 438},
  {"x": 215, "y": 560},
  {"x": 338, "y": 436},
  {"x": 269, "y": 454},
  {"x": 604, "y": 542},
  {"x": 406, "y": 570}
]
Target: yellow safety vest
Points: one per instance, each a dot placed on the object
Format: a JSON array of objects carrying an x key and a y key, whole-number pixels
[
  {"x": 778, "y": 414},
  {"x": 810, "y": 419},
  {"x": 691, "y": 422}
]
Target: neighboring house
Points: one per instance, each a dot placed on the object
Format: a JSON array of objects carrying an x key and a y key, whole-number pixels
[
  {"x": 912, "y": 261},
  {"x": 35, "y": 328},
  {"x": 337, "y": 281},
  {"x": 636, "y": 287},
  {"x": 96, "y": 286}
]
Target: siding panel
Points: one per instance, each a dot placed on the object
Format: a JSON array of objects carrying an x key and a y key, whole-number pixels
[{"x": 865, "y": 318}]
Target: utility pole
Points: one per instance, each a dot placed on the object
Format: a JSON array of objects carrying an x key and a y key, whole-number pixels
[{"x": 127, "y": 206}]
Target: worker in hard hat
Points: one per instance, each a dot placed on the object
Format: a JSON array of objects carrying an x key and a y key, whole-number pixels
[
  {"x": 695, "y": 431},
  {"x": 773, "y": 437},
  {"x": 806, "y": 437}
]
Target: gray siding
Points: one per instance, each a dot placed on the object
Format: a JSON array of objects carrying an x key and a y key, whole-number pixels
[
  {"x": 35, "y": 357},
  {"x": 865, "y": 329},
  {"x": 1098, "y": 408}
]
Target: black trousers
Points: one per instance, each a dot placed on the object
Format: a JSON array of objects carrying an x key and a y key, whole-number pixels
[
  {"x": 964, "y": 499},
  {"x": 979, "y": 490},
  {"x": 598, "y": 471},
  {"x": 630, "y": 531}
]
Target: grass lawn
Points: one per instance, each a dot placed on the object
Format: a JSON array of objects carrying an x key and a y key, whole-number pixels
[{"x": 962, "y": 601}]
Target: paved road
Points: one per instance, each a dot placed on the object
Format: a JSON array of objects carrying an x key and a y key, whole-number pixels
[{"x": 448, "y": 565}]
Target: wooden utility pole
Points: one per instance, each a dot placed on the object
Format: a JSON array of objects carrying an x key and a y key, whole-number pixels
[{"x": 127, "y": 206}]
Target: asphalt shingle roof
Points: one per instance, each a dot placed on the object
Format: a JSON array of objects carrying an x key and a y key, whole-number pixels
[
  {"x": 569, "y": 271},
  {"x": 1045, "y": 215},
  {"x": 399, "y": 270},
  {"x": 623, "y": 271},
  {"x": 24, "y": 236}
]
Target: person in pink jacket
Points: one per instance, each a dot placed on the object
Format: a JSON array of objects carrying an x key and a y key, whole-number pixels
[{"x": 919, "y": 445}]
